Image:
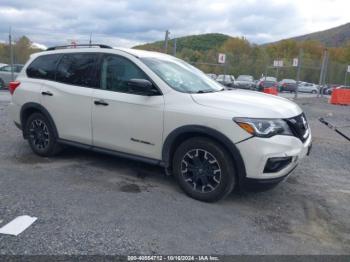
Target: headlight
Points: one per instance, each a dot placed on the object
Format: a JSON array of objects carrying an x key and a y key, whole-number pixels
[{"x": 264, "y": 127}]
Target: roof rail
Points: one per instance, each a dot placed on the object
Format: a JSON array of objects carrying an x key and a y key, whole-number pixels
[{"x": 78, "y": 45}]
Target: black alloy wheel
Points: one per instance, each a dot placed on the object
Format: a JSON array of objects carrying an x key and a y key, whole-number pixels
[{"x": 201, "y": 170}]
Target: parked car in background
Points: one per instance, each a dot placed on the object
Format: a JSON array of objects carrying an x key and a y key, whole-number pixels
[
  {"x": 2, "y": 64},
  {"x": 268, "y": 81},
  {"x": 5, "y": 74},
  {"x": 342, "y": 87},
  {"x": 288, "y": 85},
  {"x": 245, "y": 82},
  {"x": 328, "y": 89},
  {"x": 305, "y": 87},
  {"x": 212, "y": 76},
  {"x": 226, "y": 80}
]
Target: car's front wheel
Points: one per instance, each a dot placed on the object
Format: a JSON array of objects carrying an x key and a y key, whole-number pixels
[
  {"x": 204, "y": 169},
  {"x": 41, "y": 136}
]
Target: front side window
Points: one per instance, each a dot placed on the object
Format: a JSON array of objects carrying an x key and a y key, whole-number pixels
[
  {"x": 117, "y": 71},
  {"x": 181, "y": 76},
  {"x": 220, "y": 78},
  {"x": 43, "y": 67},
  {"x": 18, "y": 68},
  {"x": 77, "y": 69}
]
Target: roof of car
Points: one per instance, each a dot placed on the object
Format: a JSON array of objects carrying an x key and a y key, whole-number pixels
[{"x": 134, "y": 52}]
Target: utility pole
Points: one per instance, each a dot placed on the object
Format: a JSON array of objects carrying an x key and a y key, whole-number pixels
[
  {"x": 325, "y": 69},
  {"x": 325, "y": 53},
  {"x": 346, "y": 76},
  {"x": 300, "y": 57},
  {"x": 90, "y": 40},
  {"x": 167, "y": 33},
  {"x": 277, "y": 69},
  {"x": 11, "y": 54},
  {"x": 174, "y": 50}
]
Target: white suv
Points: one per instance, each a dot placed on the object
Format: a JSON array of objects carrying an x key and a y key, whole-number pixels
[{"x": 158, "y": 109}]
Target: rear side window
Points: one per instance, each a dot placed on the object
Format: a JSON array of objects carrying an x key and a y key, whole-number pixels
[
  {"x": 77, "y": 69},
  {"x": 43, "y": 67}
]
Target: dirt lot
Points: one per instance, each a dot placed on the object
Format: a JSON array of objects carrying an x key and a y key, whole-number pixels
[{"x": 88, "y": 203}]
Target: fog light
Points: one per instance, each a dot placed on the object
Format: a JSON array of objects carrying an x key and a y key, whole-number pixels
[{"x": 276, "y": 164}]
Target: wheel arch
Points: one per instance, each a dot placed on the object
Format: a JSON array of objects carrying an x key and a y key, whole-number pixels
[
  {"x": 30, "y": 108},
  {"x": 181, "y": 134}
]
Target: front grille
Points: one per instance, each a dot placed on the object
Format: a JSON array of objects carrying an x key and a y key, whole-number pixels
[{"x": 299, "y": 127}]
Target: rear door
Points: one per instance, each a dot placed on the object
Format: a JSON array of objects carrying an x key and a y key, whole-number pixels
[
  {"x": 69, "y": 98},
  {"x": 122, "y": 119}
]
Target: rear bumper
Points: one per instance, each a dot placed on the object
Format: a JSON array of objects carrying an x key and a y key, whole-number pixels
[{"x": 14, "y": 112}]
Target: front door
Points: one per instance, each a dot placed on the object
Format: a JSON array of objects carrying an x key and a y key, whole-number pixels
[{"x": 122, "y": 119}]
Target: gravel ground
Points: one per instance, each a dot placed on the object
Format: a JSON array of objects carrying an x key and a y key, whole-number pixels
[{"x": 89, "y": 203}]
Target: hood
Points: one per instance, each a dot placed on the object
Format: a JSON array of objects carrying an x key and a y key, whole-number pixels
[{"x": 243, "y": 103}]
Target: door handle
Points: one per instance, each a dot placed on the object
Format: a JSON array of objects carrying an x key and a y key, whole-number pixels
[
  {"x": 47, "y": 93},
  {"x": 100, "y": 103}
]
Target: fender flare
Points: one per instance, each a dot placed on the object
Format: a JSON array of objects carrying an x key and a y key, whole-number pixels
[
  {"x": 41, "y": 109},
  {"x": 168, "y": 145}
]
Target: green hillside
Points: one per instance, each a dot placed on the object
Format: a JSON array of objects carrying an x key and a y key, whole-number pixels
[
  {"x": 333, "y": 37},
  {"x": 202, "y": 42}
]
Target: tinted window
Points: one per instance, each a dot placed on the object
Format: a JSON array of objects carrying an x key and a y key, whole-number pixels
[
  {"x": 116, "y": 71},
  {"x": 77, "y": 69},
  {"x": 43, "y": 67}
]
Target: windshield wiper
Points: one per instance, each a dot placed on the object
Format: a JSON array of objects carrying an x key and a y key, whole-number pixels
[{"x": 204, "y": 91}]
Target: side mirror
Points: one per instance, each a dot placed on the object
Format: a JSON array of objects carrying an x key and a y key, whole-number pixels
[{"x": 142, "y": 87}]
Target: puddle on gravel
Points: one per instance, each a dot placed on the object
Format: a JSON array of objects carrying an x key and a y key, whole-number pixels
[
  {"x": 273, "y": 224},
  {"x": 31, "y": 159},
  {"x": 130, "y": 188}
]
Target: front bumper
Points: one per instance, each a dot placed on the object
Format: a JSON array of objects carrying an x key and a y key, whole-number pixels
[{"x": 256, "y": 152}]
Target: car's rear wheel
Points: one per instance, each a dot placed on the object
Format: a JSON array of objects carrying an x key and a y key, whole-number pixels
[
  {"x": 204, "y": 169},
  {"x": 314, "y": 92},
  {"x": 41, "y": 136}
]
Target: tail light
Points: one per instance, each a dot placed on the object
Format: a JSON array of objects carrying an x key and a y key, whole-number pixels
[
  {"x": 13, "y": 85},
  {"x": 284, "y": 85}
]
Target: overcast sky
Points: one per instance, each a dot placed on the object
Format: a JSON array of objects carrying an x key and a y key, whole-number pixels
[{"x": 127, "y": 23}]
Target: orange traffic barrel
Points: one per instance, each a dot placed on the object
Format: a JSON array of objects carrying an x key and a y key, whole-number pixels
[{"x": 340, "y": 97}]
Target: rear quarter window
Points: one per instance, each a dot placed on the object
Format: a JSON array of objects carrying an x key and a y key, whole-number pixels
[{"x": 43, "y": 67}]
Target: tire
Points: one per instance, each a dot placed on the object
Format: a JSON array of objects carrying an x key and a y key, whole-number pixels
[
  {"x": 41, "y": 136},
  {"x": 209, "y": 164},
  {"x": 313, "y": 92}
]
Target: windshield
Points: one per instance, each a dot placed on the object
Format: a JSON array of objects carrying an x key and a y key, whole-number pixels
[
  {"x": 288, "y": 81},
  {"x": 269, "y": 78},
  {"x": 182, "y": 76},
  {"x": 245, "y": 78}
]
